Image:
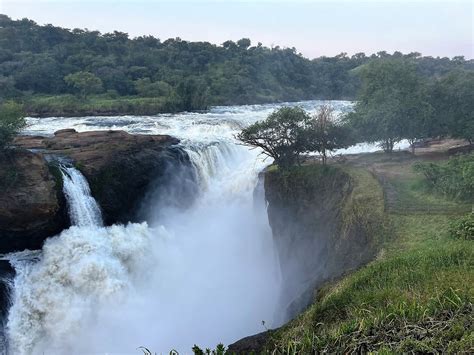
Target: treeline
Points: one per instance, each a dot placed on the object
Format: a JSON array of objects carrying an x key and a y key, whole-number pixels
[
  {"x": 38, "y": 61},
  {"x": 395, "y": 102}
]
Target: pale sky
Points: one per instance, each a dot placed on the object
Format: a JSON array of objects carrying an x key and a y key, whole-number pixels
[{"x": 315, "y": 28}]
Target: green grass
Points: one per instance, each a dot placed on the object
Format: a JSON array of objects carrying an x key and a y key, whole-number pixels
[
  {"x": 413, "y": 194},
  {"x": 417, "y": 296},
  {"x": 67, "y": 105}
]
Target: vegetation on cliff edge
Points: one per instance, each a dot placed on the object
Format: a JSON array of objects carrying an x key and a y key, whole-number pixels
[{"x": 417, "y": 296}]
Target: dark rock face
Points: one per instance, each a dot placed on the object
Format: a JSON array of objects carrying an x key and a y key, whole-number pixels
[
  {"x": 318, "y": 231},
  {"x": 123, "y": 169},
  {"x": 248, "y": 345},
  {"x": 323, "y": 222},
  {"x": 31, "y": 209}
]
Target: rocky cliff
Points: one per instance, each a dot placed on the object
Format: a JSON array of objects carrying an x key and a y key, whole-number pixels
[
  {"x": 32, "y": 206},
  {"x": 122, "y": 169},
  {"x": 325, "y": 222}
]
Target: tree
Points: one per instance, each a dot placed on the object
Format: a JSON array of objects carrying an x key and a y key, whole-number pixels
[
  {"x": 453, "y": 100},
  {"x": 392, "y": 103},
  {"x": 190, "y": 95},
  {"x": 84, "y": 83},
  {"x": 325, "y": 134},
  {"x": 11, "y": 122},
  {"x": 244, "y": 43},
  {"x": 146, "y": 88},
  {"x": 281, "y": 136}
]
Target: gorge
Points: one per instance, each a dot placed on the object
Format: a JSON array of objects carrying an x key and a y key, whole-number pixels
[{"x": 197, "y": 265}]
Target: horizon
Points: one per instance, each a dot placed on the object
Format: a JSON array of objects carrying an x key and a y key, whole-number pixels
[{"x": 339, "y": 27}]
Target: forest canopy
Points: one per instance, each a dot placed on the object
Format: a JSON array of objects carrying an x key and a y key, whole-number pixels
[{"x": 174, "y": 74}]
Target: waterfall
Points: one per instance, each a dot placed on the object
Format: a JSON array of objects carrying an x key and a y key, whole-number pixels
[
  {"x": 202, "y": 276},
  {"x": 83, "y": 208}
]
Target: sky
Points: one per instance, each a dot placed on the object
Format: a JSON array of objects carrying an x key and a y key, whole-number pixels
[{"x": 315, "y": 28}]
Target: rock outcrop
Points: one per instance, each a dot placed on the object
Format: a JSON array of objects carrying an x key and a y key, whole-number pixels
[
  {"x": 123, "y": 170},
  {"x": 32, "y": 206},
  {"x": 324, "y": 222}
]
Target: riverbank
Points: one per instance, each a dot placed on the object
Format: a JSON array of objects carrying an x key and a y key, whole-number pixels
[
  {"x": 67, "y": 105},
  {"x": 100, "y": 105},
  {"x": 417, "y": 295}
]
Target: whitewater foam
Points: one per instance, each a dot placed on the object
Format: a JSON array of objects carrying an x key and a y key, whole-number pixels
[{"x": 81, "y": 270}]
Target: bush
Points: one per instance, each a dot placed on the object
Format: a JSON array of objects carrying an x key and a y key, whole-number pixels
[
  {"x": 454, "y": 178},
  {"x": 11, "y": 122},
  {"x": 463, "y": 228}
]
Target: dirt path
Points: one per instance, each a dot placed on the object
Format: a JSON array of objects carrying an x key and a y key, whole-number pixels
[{"x": 404, "y": 192}]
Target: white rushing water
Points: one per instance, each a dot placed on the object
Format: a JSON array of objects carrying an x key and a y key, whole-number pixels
[
  {"x": 205, "y": 275},
  {"x": 83, "y": 208}
]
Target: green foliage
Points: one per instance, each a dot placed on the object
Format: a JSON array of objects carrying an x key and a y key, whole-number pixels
[
  {"x": 290, "y": 131},
  {"x": 84, "y": 83},
  {"x": 325, "y": 135},
  {"x": 452, "y": 96},
  {"x": 463, "y": 227},
  {"x": 34, "y": 60},
  {"x": 146, "y": 88},
  {"x": 454, "y": 178},
  {"x": 70, "y": 105},
  {"x": 392, "y": 104},
  {"x": 282, "y": 135},
  {"x": 11, "y": 122},
  {"x": 190, "y": 95},
  {"x": 220, "y": 350}
]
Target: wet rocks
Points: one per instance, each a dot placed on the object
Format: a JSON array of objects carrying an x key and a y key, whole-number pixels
[{"x": 31, "y": 205}]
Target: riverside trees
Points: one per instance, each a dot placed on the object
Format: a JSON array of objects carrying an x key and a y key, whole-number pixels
[
  {"x": 452, "y": 97},
  {"x": 392, "y": 104},
  {"x": 35, "y": 59},
  {"x": 290, "y": 131},
  {"x": 395, "y": 102}
]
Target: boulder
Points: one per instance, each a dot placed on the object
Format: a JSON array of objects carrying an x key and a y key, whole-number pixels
[{"x": 31, "y": 203}]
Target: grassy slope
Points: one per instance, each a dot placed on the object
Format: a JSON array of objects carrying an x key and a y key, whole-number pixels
[{"x": 416, "y": 296}]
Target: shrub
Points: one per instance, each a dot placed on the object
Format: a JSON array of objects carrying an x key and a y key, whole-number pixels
[
  {"x": 463, "y": 228},
  {"x": 454, "y": 178},
  {"x": 11, "y": 122}
]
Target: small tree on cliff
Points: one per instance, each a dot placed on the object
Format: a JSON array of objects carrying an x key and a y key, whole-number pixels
[
  {"x": 282, "y": 135},
  {"x": 325, "y": 134},
  {"x": 11, "y": 122}
]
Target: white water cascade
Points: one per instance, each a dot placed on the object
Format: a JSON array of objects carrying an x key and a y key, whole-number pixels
[
  {"x": 83, "y": 208},
  {"x": 204, "y": 275}
]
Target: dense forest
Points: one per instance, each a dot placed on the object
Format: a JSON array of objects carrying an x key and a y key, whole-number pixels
[{"x": 52, "y": 69}]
